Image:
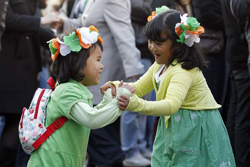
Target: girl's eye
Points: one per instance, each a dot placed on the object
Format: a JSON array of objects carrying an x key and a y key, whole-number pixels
[{"x": 157, "y": 43}]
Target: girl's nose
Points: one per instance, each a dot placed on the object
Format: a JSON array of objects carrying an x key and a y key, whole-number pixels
[{"x": 102, "y": 66}]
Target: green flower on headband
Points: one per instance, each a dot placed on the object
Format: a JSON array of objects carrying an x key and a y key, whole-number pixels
[
  {"x": 73, "y": 41},
  {"x": 53, "y": 50},
  {"x": 192, "y": 23},
  {"x": 161, "y": 9},
  {"x": 182, "y": 35}
]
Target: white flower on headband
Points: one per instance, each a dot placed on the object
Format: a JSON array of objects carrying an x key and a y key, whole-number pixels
[
  {"x": 87, "y": 36},
  {"x": 64, "y": 49},
  {"x": 190, "y": 39},
  {"x": 184, "y": 19}
]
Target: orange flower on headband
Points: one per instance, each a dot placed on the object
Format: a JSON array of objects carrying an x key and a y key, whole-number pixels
[
  {"x": 157, "y": 12},
  {"x": 54, "y": 47},
  {"x": 92, "y": 28},
  {"x": 151, "y": 16}
]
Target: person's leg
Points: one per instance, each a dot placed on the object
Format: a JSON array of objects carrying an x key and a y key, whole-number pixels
[
  {"x": 242, "y": 124},
  {"x": 215, "y": 75},
  {"x": 44, "y": 76},
  {"x": 249, "y": 69},
  {"x": 104, "y": 147},
  {"x": 9, "y": 141},
  {"x": 129, "y": 133},
  {"x": 2, "y": 123},
  {"x": 231, "y": 112}
]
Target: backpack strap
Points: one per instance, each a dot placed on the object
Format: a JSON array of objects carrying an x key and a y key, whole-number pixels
[
  {"x": 57, "y": 124},
  {"x": 51, "y": 83}
]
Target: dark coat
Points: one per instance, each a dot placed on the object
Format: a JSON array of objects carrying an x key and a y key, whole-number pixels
[
  {"x": 3, "y": 11},
  {"x": 20, "y": 59},
  {"x": 240, "y": 9},
  {"x": 236, "y": 51}
]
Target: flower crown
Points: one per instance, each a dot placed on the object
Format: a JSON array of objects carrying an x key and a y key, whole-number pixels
[
  {"x": 188, "y": 30},
  {"x": 157, "y": 12},
  {"x": 82, "y": 38}
]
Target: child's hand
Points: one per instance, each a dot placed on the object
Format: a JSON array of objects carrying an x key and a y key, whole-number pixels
[
  {"x": 107, "y": 85},
  {"x": 127, "y": 86},
  {"x": 123, "y": 101}
]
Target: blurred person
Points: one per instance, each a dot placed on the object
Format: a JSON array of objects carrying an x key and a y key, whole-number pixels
[
  {"x": 71, "y": 15},
  {"x": 241, "y": 10},
  {"x": 133, "y": 125},
  {"x": 122, "y": 61},
  {"x": 238, "y": 117},
  {"x": 3, "y": 11},
  {"x": 19, "y": 66}
]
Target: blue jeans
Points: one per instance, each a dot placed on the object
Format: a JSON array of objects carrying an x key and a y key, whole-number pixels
[
  {"x": 249, "y": 69},
  {"x": 2, "y": 123},
  {"x": 133, "y": 127},
  {"x": 44, "y": 76}
]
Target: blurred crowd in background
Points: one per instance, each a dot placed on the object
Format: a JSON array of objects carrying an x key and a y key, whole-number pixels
[{"x": 27, "y": 25}]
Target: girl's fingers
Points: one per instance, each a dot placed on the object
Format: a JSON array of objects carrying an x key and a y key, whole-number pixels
[
  {"x": 122, "y": 105},
  {"x": 107, "y": 85},
  {"x": 121, "y": 83},
  {"x": 129, "y": 87},
  {"x": 113, "y": 90},
  {"x": 123, "y": 101}
]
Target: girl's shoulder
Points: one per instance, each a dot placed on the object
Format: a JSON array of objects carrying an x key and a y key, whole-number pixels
[
  {"x": 72, "y": 88},
  {"x": 177, "y": 68}
]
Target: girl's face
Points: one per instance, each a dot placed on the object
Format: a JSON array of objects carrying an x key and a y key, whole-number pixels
[
  {"x": 161, "y": 50},
  {"x": 93, "y": 67}
]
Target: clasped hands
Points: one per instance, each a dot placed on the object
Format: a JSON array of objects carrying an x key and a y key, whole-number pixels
[
  {"x": 52, "y": 19},
  {"x": 123, "y": 100}
]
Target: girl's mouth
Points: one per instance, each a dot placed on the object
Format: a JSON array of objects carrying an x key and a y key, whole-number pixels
[{"x": 157, "y": 55}]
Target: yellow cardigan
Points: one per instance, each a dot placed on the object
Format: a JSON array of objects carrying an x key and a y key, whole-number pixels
[{"x": 179, "y": 88}]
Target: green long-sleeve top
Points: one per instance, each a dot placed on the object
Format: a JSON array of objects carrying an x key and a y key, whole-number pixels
[{"x": 179, "y": 88}]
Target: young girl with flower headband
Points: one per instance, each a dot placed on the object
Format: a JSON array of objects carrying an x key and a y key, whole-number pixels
[
  {"x": 190, "y": 130},
  {"x": 76, "y": 64}
]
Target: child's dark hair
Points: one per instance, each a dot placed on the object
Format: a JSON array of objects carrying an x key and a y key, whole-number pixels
[
  {"x": 165, "y": 23},
  {"x": 71, "y": 66}
]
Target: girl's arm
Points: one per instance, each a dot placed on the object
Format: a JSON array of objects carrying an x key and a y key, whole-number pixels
[
  {"x": 176, "y": 94},
  {"x": 103, "y": 114},
  {"x": 143, "y": 86}
]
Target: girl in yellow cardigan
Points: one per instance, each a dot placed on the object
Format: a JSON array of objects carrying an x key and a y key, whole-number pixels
[{"x": 190, "y": 130}]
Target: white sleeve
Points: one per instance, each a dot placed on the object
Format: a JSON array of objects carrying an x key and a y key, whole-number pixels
[{"x": 101, "y": 115}]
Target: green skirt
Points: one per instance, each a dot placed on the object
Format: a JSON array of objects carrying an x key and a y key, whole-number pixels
[{"x": 192, "y": 139}]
